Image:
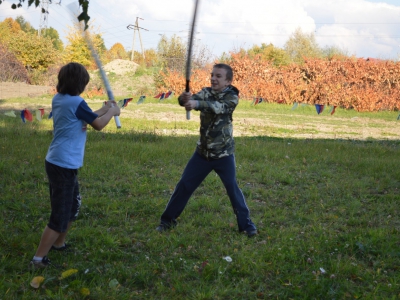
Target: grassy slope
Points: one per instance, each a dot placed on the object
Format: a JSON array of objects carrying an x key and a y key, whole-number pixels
[{"x": 318, "y": 203}]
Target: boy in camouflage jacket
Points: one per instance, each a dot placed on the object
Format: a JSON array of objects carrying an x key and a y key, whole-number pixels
[{"x": 215, "y": 149}]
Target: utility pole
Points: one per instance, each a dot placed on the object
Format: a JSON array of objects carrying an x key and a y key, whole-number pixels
[
  {"x": 136, "y": 27},
  {"x": 43, "y": 16}
]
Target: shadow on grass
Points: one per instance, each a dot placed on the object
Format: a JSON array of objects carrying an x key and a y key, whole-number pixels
[{"x": 325, "y": 209}]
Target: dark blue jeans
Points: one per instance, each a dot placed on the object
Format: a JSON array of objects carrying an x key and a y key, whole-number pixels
[{"x": 195, "y": 172}]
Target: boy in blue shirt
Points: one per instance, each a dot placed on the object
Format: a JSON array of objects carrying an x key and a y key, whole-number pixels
[{"x": 71, "y": 114}]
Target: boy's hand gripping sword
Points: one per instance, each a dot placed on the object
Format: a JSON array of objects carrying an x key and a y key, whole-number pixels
[{"x": 189, "y": 53}]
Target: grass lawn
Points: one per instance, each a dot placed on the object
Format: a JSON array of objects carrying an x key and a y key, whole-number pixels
[{"x": 323, "y": 191}]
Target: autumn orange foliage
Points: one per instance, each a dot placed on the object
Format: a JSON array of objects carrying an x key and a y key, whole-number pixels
[
  {"x": 175, "y": 81},
  {"x": 349, "y": 83},
  {"x": 94, "y": 92}
]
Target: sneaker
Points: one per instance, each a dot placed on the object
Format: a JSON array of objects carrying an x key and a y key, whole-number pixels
[
  {"x": 66, "y": 247},
  {"x": 164, "y": 226},
  {"x": 250, "y": 232},
  {"x": 40, "y": 264}
]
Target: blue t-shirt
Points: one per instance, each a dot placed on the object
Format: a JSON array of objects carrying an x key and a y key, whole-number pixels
[{"x": 71, "y": 114}]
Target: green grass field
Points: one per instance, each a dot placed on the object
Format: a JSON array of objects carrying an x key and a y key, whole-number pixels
[{"x": 323, "y": 191}]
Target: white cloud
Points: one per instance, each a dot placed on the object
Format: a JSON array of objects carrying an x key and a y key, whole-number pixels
[{"x": 363, "y": 28}]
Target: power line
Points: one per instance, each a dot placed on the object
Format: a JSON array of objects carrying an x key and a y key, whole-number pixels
[{"x": 285, "y": 23}]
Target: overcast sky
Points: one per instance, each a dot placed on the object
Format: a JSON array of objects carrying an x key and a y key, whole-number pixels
[{"x": 365, "y": 28}]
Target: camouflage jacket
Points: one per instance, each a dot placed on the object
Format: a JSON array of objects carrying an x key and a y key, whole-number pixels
[{"x": 216, "y": 130}]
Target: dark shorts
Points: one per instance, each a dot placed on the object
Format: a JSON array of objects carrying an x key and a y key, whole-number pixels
[{"x": 64, "y": 196}]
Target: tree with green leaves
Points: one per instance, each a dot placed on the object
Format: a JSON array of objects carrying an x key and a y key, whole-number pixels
[
  {"x": 302, "y": 45},
  {"x": 150, "y": 57},
  {"x": 33, "y": 51},
  {"x": 172, "y": 52},
  {"x": 330, "y": 52},
  {"x": 29, "y": 29},
  {"x": 77, "y": 49},
  {"x": 100, "y": 44},
  {"x": 25, "y": 25},
  {"x": 52, "y": 34},
  {"x": 269, "y": 52},
  {"x": 8, "y": 27}
]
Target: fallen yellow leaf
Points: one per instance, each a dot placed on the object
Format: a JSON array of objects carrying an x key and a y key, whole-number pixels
[
  {"x": 68, "y": 273},
  {"x": 85, "y": 292},
  {"x": 36, "y": 281}
]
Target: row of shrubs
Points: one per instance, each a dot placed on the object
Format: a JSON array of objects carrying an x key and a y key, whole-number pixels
[{"x": 351, "y": 83}]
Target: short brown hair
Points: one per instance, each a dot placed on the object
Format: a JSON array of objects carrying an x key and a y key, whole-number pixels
[
  {"x": 72, "y": 79},
  {"x": 229, "y": 71}
]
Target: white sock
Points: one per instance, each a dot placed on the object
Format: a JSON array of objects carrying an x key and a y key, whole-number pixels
[
  {"x": 37, "y": 258},
  {"x": 59, "y": 246}
]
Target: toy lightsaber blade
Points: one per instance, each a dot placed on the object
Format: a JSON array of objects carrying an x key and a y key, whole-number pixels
[
  {"x": 73, "y": 10},
  {"x": 103, "y": 77},
  {"x": 189, "y": 53}
]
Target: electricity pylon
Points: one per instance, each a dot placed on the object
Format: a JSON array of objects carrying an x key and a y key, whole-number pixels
[
  {"x": 136, "y": 27},
  {"x": 44, "y": 16}
]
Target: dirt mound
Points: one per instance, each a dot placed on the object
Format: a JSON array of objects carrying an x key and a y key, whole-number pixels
[
  {"x": 20, "y": 89},
  {"x": 121, "y": 66}
]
